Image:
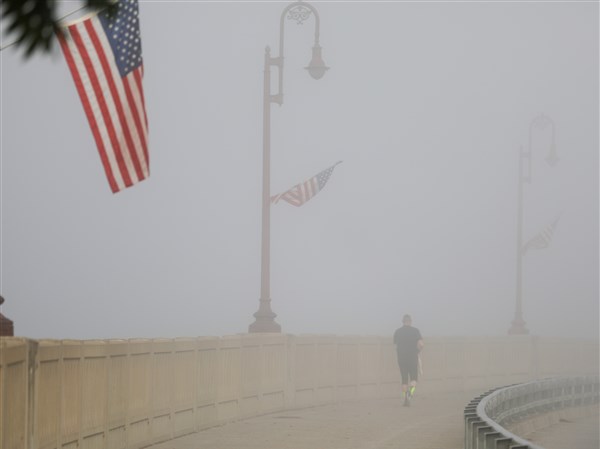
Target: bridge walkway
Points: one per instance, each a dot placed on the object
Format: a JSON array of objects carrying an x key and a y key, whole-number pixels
[
  {"x": 433, "y": 421},
  {"x": 583, "y": 433}
]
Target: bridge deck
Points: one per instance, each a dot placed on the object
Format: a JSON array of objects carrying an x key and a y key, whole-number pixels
[
  {"x": 434, "y": 421},
  {"x": 580, "y": 434}
]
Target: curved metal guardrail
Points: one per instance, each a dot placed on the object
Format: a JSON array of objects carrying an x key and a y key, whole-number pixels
[{"x": 487, "y": 416}]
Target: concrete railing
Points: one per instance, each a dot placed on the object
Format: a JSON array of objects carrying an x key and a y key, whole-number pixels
[
  {"x": 496, "y": 419},
  {"x": 133, "y": 393}
]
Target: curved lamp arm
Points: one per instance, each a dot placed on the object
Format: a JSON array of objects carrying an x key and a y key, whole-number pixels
[{"x": 298, "y": 11}]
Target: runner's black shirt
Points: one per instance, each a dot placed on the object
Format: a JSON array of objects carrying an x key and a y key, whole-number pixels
[{"x": 405, "y": 339}]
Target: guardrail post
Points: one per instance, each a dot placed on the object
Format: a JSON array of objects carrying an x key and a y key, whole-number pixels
[
  {"x": 480, "y": 436},
  {"x": 490, "y": 438},
  {"x": 503, "y": 443},
  {"x": 475, "y": 426},
  {"x": 469, "y": 419}
]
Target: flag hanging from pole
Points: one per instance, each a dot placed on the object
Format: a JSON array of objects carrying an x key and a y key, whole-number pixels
[
  {"x": 301, "y": 193},
  {"x": 542, "y": 239},
  {"x": 104, "y": 55}
]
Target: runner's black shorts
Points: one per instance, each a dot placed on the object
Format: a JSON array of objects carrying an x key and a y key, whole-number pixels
[{"x": 409, "y": 368}]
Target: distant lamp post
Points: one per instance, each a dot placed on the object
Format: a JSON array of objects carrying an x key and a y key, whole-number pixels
[
  {"x": 541, "y": 122},
  {"x": 298, "y": 11}
]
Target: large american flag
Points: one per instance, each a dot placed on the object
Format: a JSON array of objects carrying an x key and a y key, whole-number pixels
[
  {"x": 104, "y": 54},
  {"x": 301, "y": 193}
]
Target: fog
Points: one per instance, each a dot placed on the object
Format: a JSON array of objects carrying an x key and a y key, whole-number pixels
[{"x": 426, "y": 103}]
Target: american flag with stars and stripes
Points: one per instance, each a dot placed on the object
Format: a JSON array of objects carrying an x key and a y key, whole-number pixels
[
  {"x": 301, "y": 193},
  {"x": 542, "y": 239},
  {"x": 104, "y": 54}
]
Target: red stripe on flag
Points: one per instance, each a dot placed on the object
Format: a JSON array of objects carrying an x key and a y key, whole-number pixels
[
  {"x": 138, "y": 79},
  {"x": 303, "y": 192},
  {"x": 136, "y": 118},
  {"x": 88, "y": 111},
  {"x": 308, "y": 190},
  {"x": 116, "y": 149},
  {"x": 297, "y": 196}
]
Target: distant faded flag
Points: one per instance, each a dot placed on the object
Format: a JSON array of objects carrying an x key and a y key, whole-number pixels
[
  {"x": 542, "y": 239},
  {"x": 301, "y": 193},
  {"x": 104, "y": 54}
]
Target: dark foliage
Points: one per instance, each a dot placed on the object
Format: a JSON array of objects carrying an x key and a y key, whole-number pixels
[{"x": 32, "y": 22}]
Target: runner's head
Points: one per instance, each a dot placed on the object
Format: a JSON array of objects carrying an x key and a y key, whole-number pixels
[{"x": 406, "y": 320}]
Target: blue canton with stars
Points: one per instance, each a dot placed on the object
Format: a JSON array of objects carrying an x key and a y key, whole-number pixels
[
  {"x": 323, "y": 177},
  {"x": 123, "y": 32}
]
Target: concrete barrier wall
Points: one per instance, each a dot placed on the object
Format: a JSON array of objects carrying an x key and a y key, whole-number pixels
[{"x": 132, "y": 393}]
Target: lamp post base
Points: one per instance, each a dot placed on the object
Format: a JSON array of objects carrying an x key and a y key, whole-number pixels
[
  {"x": 518, "y": 328},
  {"x": 6, "y": 326},
  {"x": 265, "y": 319}
]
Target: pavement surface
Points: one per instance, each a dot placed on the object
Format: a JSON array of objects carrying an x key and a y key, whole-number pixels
[
  {"x": 583, "y": 433},
  {"x": 433, "y": 421}
]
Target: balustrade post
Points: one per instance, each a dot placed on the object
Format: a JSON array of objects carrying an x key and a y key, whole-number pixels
[
  {"x": 490, "y": 438},
  {"x": 480, "y": 436}
]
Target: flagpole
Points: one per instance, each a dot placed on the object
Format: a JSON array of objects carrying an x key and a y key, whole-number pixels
[
  {"x": 298, "y": 11},
  {"x": 518, "y": 325}
]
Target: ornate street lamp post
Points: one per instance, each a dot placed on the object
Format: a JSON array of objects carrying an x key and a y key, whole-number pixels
[
  {"x": 541, "y": 122},
  {"x": 298, "y": 11}
]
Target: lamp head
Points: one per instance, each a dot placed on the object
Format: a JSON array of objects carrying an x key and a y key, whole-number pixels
[{"x": 316, "y": 68}]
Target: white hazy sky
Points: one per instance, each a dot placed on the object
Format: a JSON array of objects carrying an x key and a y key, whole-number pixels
[{"x": 426, "y": 103}]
